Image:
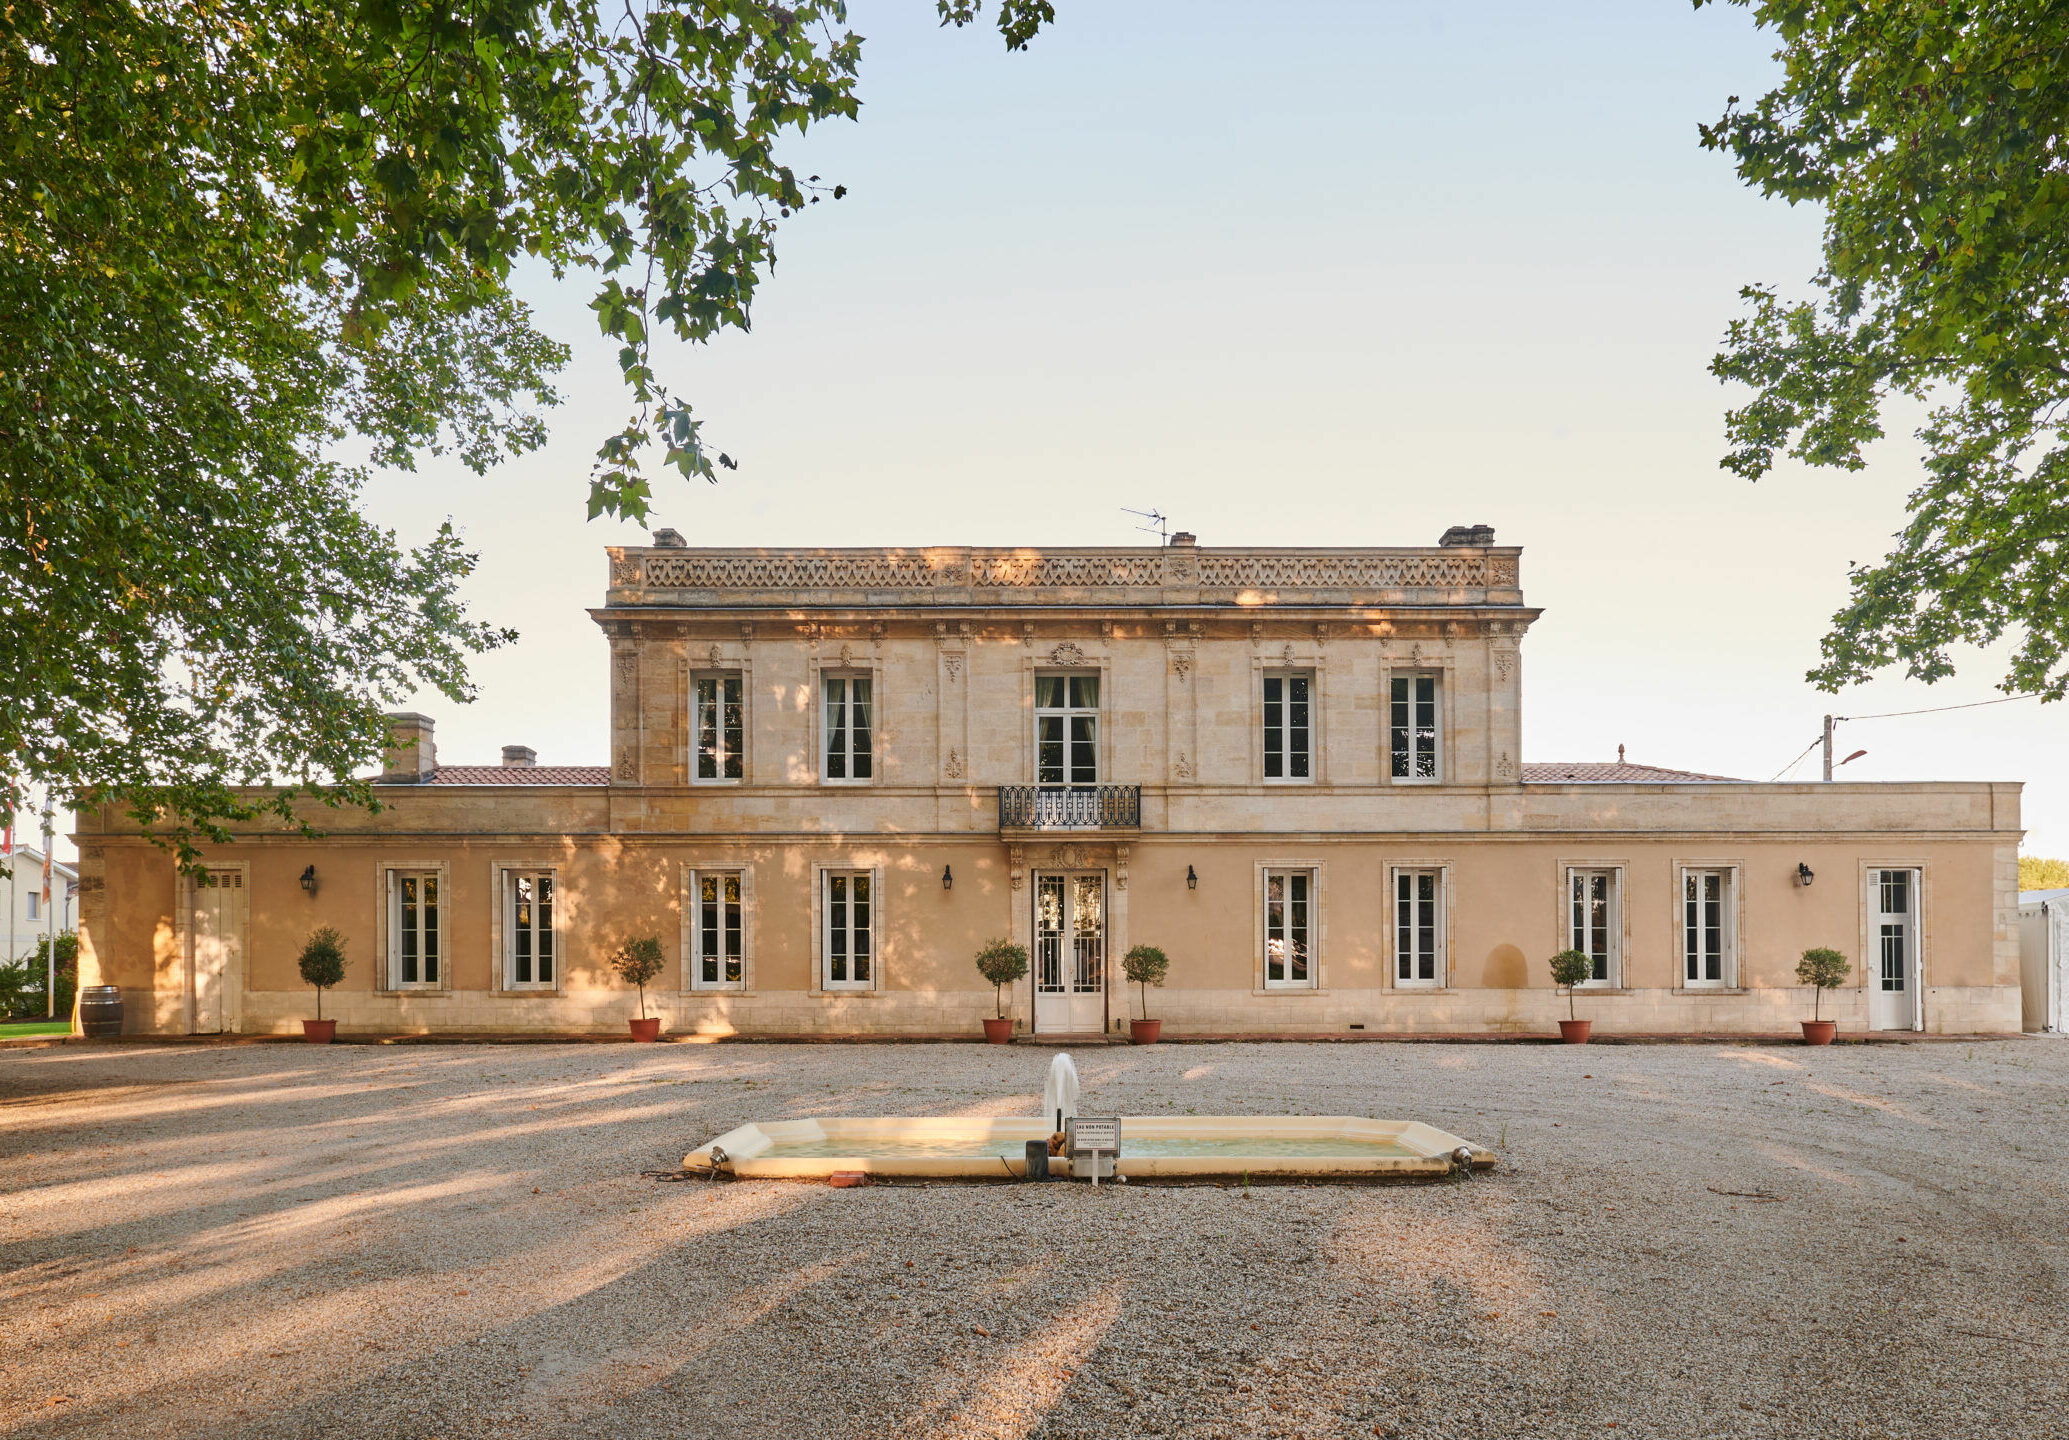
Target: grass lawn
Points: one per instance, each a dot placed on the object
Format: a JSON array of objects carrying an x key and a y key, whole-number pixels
[{"x": 14, "y": 1030}]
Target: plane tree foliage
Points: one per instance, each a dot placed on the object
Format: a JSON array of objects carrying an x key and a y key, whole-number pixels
[
  {"x": 1934, "y": 137},
  {"x": 250, "y": 249}
]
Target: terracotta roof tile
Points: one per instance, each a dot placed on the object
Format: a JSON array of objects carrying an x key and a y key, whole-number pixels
[
  {"x": 1609, "y": 772},
  {"x": 520, "y": 775}
]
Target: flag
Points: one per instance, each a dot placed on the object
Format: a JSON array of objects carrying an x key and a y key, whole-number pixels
[{"x": 46, "y": 877}]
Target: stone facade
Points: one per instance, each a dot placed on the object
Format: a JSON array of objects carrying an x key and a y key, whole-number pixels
[{"x": 1242, "y": 734}]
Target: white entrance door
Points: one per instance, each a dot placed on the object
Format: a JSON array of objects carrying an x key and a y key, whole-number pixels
[
  {"x": 1070, "y": 953},
  {"x": 216, "y": 933},
  {"x": 1893, "y": 950}
]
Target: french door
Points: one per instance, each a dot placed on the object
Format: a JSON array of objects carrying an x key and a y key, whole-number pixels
[
  {"x": 1070, "y": 953},
  {"x": 1893, "y": 993},
  {"x": 215, "y": 932}
]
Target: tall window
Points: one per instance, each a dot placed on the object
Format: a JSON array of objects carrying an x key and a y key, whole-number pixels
[
  {"x": 848, "y": 718},
  {"x": 35, "y": 905},
  {"x": 412, "y": 928},
  {"x": 1066, "y": 729},
  {"x": 1893, "y": 920},
  {"x": 1412, "y": 727},
  {"x": 1418, "y": 927},
  {"x": 720, "y": 727},
  {"x": 1706, "y": 927},
  {"x": 1286, "y": 747},
  {"x": 849, "y": 949},
  {"x": 717, "y": 932},
  {"x": 1593, "y": 924},
  {"x": 528, "y": 903},
  {"x": 1288, "y": 917}
]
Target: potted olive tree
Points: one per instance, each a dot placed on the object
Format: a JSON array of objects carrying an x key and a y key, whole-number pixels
[
  {"x": 638, "y": 962},
  {"x": 1571, "y": 968},
  {"x": 1003, "y": 963},
  {"x": 1145, "y": 965},
  {"x": 1822, "y": 969},
  {"x": 322, "y": 964}
]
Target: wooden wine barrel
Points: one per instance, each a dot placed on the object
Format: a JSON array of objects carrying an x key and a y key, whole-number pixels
[{"x": 100, "y": 1011}]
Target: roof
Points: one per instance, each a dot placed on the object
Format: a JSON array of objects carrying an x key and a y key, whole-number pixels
[
  {"x": 520, "y": 775},
  {"x": 2034, "y": 897},
  {"x": 1609, "y": 772}
]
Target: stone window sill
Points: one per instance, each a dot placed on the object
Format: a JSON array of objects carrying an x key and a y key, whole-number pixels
[
  {"x": 719, "y": 993},
  {"x": 1711, "y": 990},
  {"x": 844, "y": 994},
  {"x": 1290, "y": 990},
  {"x": 553, "y": 992},
  {"x": 414, "y": 993},
  {"x": 1603, "y": 990},
  {"x": 1398, "y": 989}
]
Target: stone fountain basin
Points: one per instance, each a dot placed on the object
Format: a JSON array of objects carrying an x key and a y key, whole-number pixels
[{"x": 1152, "y": 1147}]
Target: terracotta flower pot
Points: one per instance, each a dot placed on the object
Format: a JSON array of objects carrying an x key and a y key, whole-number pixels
[
  {"x": 648, "y": 1029},
  {"x": 319, "y": 1032},
  {"x": 1819, "y": 1032},
  {"x": 998, "y": 1032},
  {"x": 1575, "y": 1032},
  {"x": 1145, "y": 1032}
]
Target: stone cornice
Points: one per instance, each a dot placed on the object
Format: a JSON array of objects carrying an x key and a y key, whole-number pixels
[{"x": 643, "y": 577}]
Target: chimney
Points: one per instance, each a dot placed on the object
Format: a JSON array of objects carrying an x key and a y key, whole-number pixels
[
  {"x": 412, "y": 755},
  {"x": 1468, "y": 535},
  {"x": 665, "y": 539},
  {"x": 1185, "y": 538},
  {"x": 519, "y": 757}
]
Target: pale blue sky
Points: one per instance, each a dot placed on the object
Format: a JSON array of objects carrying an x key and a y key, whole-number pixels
[{"x": 1295, "y": 274}]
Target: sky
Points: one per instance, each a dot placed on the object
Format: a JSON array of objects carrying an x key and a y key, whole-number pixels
[{"x": 1296, "y": 274}]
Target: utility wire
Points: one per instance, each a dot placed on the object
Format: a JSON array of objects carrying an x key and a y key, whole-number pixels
[
  {"x": 1798, "y": 760},
  {"x": 1937, "y": 709}
]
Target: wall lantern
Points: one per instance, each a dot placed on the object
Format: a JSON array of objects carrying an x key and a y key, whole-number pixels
[
  {"x": 1192, "y": 881},
  {"x": 947, "y": 879},
  {"x": 309, "y": 879},
  {"x": 1804, "y": 875}
]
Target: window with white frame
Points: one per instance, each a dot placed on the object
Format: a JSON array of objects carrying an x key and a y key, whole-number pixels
[
  {"x": 1412, "y": 727},
  {"x": 1289, "y": 929},
  {"x": 1418, "y": 927},
  {"x": 413, "y": 932},
  {"x": 720, "y": 727},
  {"x": 35, "y": 905},
  {"x": 1593, "y": 925},
  {"x": 1066, "y": 729},
  {"x": 848, "y": 943},
  {"x": 847, "y": 712},
  {"x": 530, "y": 958},
  {"x": 1708, "y": 928},
  {"x": 1287, "y": 744},
  {"x": 717, "y": 934}
]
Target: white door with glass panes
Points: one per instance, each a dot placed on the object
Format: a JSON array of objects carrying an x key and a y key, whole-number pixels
[
  {"x": 1289, "y": 907},
  {"x": 847, "y": 943},
  {"x": 528, "y": 902},
  {"x": 1066, "y": 730},
  {"x": 1893, "y": 950},
  {"x": 215, "y": 928},
  {"x": 847, "y": 708},
  {"x": 1593, "y": 926},
  {"x": 717, "y": 930},
  {"x": 1070, "y": 953},
  {"x": 1418, "y": 927},
  {"x": 1706, "y": 926}
]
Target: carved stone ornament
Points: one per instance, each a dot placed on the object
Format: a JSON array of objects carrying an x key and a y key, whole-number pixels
[
  {"x": 1504, "y": 663},
  {"x": 811, "y": 631},
  {"x": 1182, "y": 767},
  {"x": 847, "y": 654},
  {"x": 1120, "y": 867},
  {"x": 715, "y": 654},
  {"x": 1016, "y": 864},
  {"x": 1322, "y": 634},
  {"x": 1066, "y": 654},
  {"x": 1415, "y": 654},
  {"x": 953, "y": 766},
  {"x": 1106, "y": 629},
  {"x": 627, "y": 666},
  {"x": 1027, "y": 632},
  {"x": 1501, "y": 570},
  {"x": 1286, "y": 654},
  {"x": 746, "y": 632},
  {"x": 1384, "y": 629},
  {"x": 1505, "y": 767},
  {"x": 1181, "y": 565},
  {"x": 628, "y": 766},
  {"x": 876, "y": 632},
  {"x": 952, "y": 662},
  {"x": 627, "y": 571},
  {"x": 1256, "y": 632},
  {"x": 1066, "y": 857}
]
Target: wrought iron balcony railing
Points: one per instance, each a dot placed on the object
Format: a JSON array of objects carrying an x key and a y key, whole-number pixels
[{"x": 1070, "y": 807}]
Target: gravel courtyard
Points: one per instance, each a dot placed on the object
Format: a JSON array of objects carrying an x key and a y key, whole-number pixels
[{"x": 413, "y": 1241}]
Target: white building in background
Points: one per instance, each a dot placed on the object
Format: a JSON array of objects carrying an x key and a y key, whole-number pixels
[
  {"x": 27, "y": 917},
  {"x": 2044, "y": 959}
]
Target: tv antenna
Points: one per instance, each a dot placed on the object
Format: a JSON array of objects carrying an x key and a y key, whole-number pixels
[{"x": 1159, "y": 523}]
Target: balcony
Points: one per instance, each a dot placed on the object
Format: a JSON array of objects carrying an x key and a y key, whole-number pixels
[{"x": 1048, "y": 808}]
